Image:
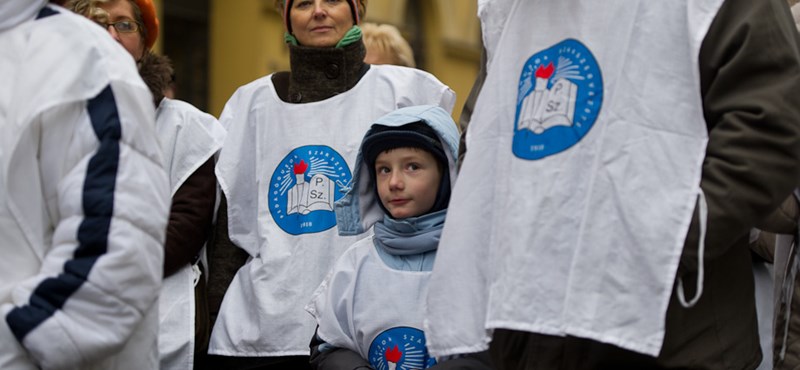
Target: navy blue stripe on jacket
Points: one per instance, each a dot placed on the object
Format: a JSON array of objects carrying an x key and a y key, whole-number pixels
[
  {"x": 46, "y": 12},
  {"x": 98, "y": 206}
]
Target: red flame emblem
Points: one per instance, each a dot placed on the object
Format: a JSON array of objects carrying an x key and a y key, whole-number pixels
[
  {"x": 393, "y": 355},
  {"x": 300, "y": 168},
  {"x": 545, "y": 72}
]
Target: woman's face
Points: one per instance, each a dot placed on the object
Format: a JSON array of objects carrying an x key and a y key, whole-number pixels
[
  {"x": 320, "y": 23},
  {"x": 120, "y": 11}
]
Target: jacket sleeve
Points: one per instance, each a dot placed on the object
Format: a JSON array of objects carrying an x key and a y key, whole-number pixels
[
  {"x": 224, "y": 260},
  {"x": 327, "y": 357},
  {"x": 107, "y": 198},
  {"x": 190, "y": 218},
  {"x": 764, "y": 246},
  {"x": 750, "y": 75},
  {"x": 469, "y": 106},
  {"x": 473, "y": 361},
  {"x": 784, "y": 219}
]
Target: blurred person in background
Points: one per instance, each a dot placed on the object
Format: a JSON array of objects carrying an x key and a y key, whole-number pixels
[
  {"x": 291, "y": 146},
  {"x": 83, "y": 198},
  {"x": 385, "y": 45}
]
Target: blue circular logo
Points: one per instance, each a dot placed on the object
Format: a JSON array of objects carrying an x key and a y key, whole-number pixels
[
  {"x": 304, "y": 187},
  {"x": 400, "y": 348},
  {"x": 560, "y": 95}
]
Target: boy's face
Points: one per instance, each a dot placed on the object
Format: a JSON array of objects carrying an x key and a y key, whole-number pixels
[{"x": 407, "y": 180}]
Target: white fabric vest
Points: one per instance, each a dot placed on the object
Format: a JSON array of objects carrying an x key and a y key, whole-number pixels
[
  {"x": 374, "y": 310},
  {"x": 583, "y": 170},
  {"x": 281, "y": 168},
  {"x": 189, "y": 137}
]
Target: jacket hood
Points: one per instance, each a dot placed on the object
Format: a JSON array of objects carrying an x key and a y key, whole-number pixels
[
  {"x": 359, "y": 209},
  {"x": 14, "y": 12}
]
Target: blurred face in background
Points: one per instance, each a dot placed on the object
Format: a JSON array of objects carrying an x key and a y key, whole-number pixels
[
  {"x": 123, "y": 26},
  {"x": 320, "y": 23},
  {"x": 377, "y": 55}
]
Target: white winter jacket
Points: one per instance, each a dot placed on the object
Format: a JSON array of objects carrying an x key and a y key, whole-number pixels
[{"x": 83, "y": 197}]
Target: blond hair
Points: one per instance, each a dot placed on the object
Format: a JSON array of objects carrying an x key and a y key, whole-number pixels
[
  {"x": 387, "y": 39},
  {"x": 89, "y": 8}
]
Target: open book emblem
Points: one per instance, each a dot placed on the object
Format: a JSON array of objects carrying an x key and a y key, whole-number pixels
[
  {"x": 304, "y": 187},
  {"x": 547, "y": 107},
  {"x": 559, "y": 99},
  {"x": 314, "y": 195},
  {"x": 401, "y": 347}
]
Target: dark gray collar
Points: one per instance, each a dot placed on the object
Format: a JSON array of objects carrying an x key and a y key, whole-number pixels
[{"x": 320, "y": 73}]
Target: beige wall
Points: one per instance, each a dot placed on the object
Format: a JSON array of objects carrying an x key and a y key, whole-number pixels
[
  {"x": 239, "y": 46},
  {"x": 453, "y": 52},
  {"x": 247, "y": 43}
]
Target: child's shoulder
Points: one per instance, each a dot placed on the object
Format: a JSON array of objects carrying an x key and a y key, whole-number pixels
[{"x": 357, "y": 252}]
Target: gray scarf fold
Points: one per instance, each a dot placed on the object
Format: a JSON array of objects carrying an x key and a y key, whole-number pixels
[{"x": 413, "y": 235}]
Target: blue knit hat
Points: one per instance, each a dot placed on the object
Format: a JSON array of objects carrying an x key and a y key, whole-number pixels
[{"x": 412, "y": 135}]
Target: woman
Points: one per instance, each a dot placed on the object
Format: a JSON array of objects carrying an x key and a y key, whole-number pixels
[
  {"x": 131, "y": 23},
  {"x": 292, "y": 142},
  {"x": 189, "y": 139}
]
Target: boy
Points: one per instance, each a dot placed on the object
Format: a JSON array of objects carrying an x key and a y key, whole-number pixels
[{"x": 371, "y": 303}]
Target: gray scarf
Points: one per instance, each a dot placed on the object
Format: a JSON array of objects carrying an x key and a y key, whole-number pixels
[{"x": 408, "y": 236}]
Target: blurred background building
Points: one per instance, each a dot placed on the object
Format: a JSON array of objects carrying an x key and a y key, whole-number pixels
[{"x": 217, "y": 46}]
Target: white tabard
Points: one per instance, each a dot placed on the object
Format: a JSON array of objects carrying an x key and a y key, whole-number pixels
[
  {"x": 582, "y": 172},
  {"x": 374, "y": 310},
  {"x": 189, "y": 138}
]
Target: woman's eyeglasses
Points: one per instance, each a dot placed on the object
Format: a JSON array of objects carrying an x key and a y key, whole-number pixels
[{"x": 124, "y": 26}]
